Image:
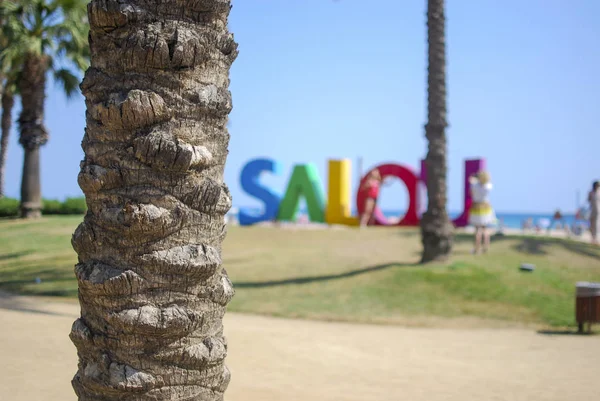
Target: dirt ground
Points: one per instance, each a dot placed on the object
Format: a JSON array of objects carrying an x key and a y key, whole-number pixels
[{"x": 292, "y": 360}]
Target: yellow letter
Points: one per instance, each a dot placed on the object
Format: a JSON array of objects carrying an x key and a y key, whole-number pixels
[{"x": 338, "y": 195}]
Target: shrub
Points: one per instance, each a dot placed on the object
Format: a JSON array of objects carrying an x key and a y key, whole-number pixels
[
  {"x": 9, "y": 207},
  {"x": 51, "y": 206},
  {"x": 74, "y": 206}
]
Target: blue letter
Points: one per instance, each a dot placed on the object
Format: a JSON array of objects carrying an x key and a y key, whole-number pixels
[{"x": 249, "y": 180}]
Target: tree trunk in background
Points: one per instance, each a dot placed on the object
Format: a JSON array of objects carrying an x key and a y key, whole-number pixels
[
  {"x": 8, "y": 101},
  {"x": 436, "y": 228},
  {"x": 32, "y": 87},
  {"x": 151, "y": 286}
]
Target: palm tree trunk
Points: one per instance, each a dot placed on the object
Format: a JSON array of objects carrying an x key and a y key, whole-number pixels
[
  {"x": 436, "y": 228},
  {"x": 8, "y": 101},
  {"x": 32, "y": 87},
  {"x": 151, "y": 286}
]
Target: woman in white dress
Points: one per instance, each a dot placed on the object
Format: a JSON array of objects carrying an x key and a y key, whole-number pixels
[
  {"x": 481, "y": 214},
  {"x": 594, "y": 200}
]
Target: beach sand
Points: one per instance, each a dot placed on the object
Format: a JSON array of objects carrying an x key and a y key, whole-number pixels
[{"x": 294, "y": 360}]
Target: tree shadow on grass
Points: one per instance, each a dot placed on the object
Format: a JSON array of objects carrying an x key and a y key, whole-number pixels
[
  {"x": 538, "y": 245},
  {"x": 312, "y": 279},
  {"x": 531, "y": 246},
  {"x": 33, "y": 311},
  {"x": 565, "y": 333},
  {"x": 11, "y": 285},
  {"x": 16, "y": 303},
  {"x": 14, "y": 255},
  {"x": 52, "y": 282},
  {"x": 407, "y": 232}
]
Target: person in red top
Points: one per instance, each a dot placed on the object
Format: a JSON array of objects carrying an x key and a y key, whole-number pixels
[{"x": 371, "y": 186}]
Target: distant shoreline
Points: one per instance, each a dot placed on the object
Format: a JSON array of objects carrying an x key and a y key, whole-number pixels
[
  {"x": 508, "y": 220},
  {"x": 544, "y": 233}
]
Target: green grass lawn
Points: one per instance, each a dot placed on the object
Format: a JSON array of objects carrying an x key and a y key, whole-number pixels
[{"x": 344, "y": 274}]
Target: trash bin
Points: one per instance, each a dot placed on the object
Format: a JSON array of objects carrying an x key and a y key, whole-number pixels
[{"x": 587, "y": 305}]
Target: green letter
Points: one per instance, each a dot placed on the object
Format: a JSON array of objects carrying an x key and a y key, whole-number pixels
[{"x": 304, "y": 182}]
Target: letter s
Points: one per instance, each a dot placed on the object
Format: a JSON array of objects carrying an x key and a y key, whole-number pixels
[{"x": 250, "y": 184}]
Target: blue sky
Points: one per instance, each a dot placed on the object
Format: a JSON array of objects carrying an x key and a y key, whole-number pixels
[{"x": 321, "y": 79}]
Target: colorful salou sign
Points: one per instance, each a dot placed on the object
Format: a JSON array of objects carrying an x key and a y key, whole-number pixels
[{"x": 335, "y": 206}]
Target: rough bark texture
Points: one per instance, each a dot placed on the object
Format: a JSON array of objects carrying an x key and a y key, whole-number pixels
[
  {"x": 151, "y": 286},
  {"x": 32, "y": 87},
  {"x": 8, "y": 101},
  {"x": 436, "y": 228}
]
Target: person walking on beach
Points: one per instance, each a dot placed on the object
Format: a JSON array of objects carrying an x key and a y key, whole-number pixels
[
  {"x": 594, "y": 200},
  {"x": 371, "y": 186},
  {"x": 481, "y": 214}
]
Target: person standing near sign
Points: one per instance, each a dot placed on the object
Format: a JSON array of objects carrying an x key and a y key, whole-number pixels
[
  {"x": 371, "y": 186},
  {"x": 594, "y": 200},
  {"x": 481, "y": 214}
]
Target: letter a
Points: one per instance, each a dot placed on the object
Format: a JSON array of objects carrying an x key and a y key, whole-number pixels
[{"x": 305, "y": 183}]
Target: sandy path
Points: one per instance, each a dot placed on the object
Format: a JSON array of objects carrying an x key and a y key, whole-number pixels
[{"x": 286, "y": 360}]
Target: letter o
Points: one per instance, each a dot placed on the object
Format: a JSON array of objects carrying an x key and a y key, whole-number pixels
[{"x": 411, "y": 181}]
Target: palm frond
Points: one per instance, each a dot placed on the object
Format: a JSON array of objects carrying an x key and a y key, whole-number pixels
[
  {"x": 10, "y": 84},
  {"x": 54, "y": 29},
  {"x": 68, "y": 81},
  {"x": 10, "y": 7}
]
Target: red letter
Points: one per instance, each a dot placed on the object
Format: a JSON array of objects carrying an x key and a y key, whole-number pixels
[{"x": 410, "y": 180}]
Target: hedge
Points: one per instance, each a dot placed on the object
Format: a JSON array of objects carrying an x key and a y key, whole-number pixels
[{"x": 9, "y": 207}]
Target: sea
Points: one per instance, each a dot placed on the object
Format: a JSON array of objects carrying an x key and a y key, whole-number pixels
[{"x": 507, "y": 220}]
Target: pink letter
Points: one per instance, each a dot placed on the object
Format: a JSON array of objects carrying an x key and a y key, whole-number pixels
[{"x": 471, "y": 167}]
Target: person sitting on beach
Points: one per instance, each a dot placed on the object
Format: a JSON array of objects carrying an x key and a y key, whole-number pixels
[
  {"x": 371, "y": 186},
  {"x": 481, "y": 214}
]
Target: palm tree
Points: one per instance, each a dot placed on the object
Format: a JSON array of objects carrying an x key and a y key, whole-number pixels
[
  {"x": 436, "y": 228},
  {"x": 151, "y": 286},
  {"x": 43, "y": 36},
  {"x": 7, "y": 101}
]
